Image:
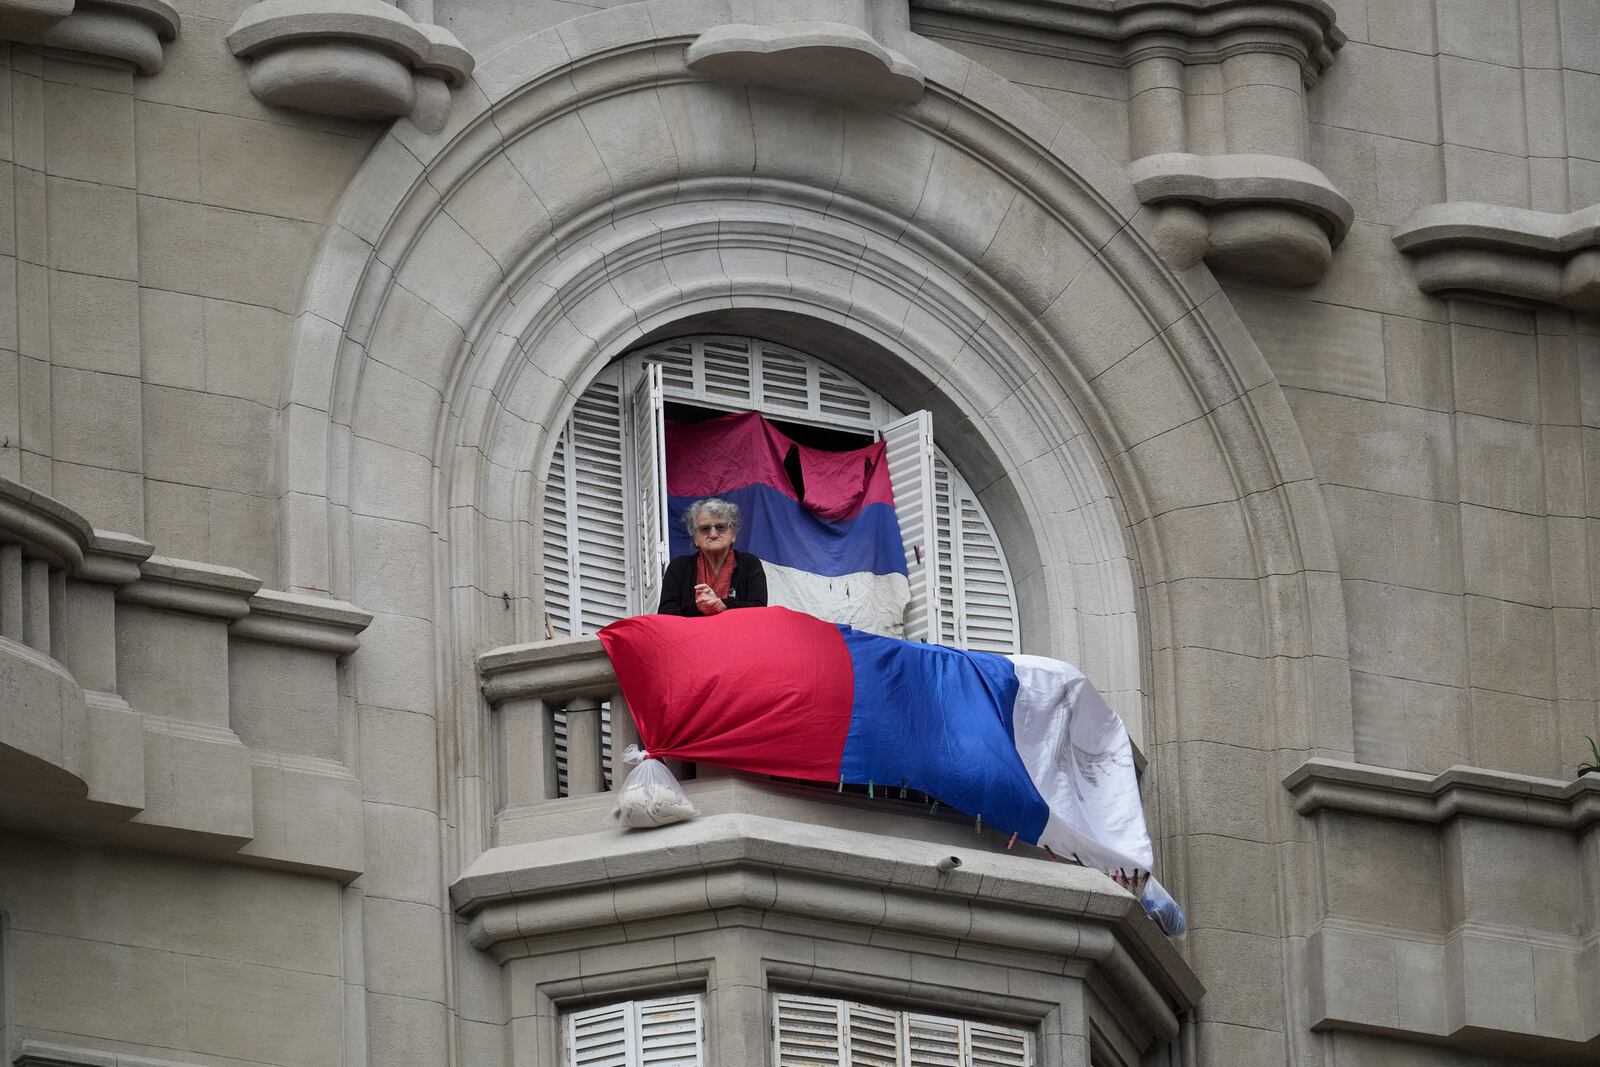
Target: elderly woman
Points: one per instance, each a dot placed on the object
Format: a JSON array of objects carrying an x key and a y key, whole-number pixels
[{"x": 716, "y": 577}]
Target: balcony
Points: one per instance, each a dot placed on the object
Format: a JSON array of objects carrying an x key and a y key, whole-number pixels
[
  {"x": 781, "y": 885},
  {"x": 167, "y": 704}
]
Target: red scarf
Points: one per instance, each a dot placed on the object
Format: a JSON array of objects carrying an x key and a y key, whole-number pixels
[{"x": 721, "y": 583}]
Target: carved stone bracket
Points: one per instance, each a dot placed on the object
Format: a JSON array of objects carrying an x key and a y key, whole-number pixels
[
  {"x": 127, "y": 32},
  {"x": 819, "y": 58},
  {"x": 361, "y": 59},
  {"x": 1216, "y": 116},
  {"x": 1506, "y": 254}
]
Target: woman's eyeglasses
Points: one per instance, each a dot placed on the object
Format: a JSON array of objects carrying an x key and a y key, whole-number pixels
[{"x": 706, "y": 527}]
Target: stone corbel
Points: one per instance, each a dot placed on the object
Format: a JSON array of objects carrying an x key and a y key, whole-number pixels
[
  {"x": 124, "y": 32},
  {"x": 1259, "y": 215},
  {"x": 360, "y": 59},
  {"x": 1506, "y": 255},
  {"x": 816, "y": 58}
]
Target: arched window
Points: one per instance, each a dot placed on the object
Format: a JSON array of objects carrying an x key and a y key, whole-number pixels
[{"x": 604, "y": 518}]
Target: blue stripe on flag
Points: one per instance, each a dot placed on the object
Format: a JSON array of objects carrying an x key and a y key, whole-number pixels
[
  {"x": 939, "y": 720},
  {"x": 780, "y": 530}
]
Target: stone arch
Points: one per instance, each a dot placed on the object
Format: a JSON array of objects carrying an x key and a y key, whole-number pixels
[{"x": 975, "y": 245}]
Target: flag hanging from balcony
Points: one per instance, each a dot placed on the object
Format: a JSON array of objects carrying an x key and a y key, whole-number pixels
[
  {"x": 834, "y": 551},
  {"x": 1024, "y": 743}
]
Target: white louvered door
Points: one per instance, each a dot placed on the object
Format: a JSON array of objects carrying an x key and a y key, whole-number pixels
[
  {"x": 910, "y": 457},
  {"x": 648, "y": 448},
  {"x": 807, "y": 1031},
  {"x": 668, "y": 1032}
]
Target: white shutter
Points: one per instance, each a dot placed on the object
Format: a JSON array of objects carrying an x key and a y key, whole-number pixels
[
  {"x": 947, "y": 546},
  {"x": 932, "y": 1041},
  {"x": 649, "y": 484},
  {"x": 584, "y": 544},
  {"x": 910, "y": 455},
  {"x": 784, "y": 382},
  {"x": 987, "y": 604},
  {"x": 872, "y": 1037},
  {"x": 997, "y": 1046},
  {"x": 669, "y": 1032},
  {"x": 807, "y": 1031},
  {"x": 600, "y": 1037}
]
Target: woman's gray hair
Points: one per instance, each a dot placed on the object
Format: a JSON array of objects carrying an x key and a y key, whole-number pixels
[{"x": 719, "y": 509}]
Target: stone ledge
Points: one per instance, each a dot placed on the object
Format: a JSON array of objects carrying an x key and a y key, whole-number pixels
[
  {"x": 31, "y": 1053},
  {"x": 563, "y": 666},
  {"x": 361, "y": 59},
  {"x": 196, "y": 588},
  {"x": 125, "y": 31},
  {"x": 1506, "y": 254},
  {"x": 516, "y": 895},
  {"x": 816, "y": 58},
  {"x": 1550, "y": 803},
  {"x": 316, "y": 623},
  {"x": 1264, "y": 216}
]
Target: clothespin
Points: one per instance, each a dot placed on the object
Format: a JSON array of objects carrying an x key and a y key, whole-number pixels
[
  {"x": 869, "y": 781},
  {"x": 1013, "y": 839},
  {"x": 841, "y": 783},
  {"x": 902, "y": 789},
  {"x": 934, "y": 810},
  {"x": 978, "y": 829}
]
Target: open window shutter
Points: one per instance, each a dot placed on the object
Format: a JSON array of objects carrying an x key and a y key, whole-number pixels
[
  {"x": 555, "y": 546},
  {"x": 670, "y": 1032},
  {"x": 649, "y": 465},
  {"x": 987, "y": 605},
  {"x": 872, "y": 1037},
  {"x": 933, "y": 1042},
  {"x": 807, "y": 1031},
  {"x": 600, "y": 1037},
  {"x": 947, "y": 547},
  {"x": 598, "y": 530},
  {"x": 910, "y": 448},
  {"x": 997, "y": 1046}
]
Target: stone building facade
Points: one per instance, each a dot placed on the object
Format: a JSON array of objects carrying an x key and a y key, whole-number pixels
[{"x": 1263, "y": 334}]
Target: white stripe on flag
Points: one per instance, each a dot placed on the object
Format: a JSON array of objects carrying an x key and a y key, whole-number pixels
[
  {"x": 875, "y": 603},
  {"x": 1078, "y": 754}
]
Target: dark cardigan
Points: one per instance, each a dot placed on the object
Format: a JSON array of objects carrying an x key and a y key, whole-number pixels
[{"x": 677, "y": 585}]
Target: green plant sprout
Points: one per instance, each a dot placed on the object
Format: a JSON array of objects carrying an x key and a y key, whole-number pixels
[{"x": 1593, "y": 767}]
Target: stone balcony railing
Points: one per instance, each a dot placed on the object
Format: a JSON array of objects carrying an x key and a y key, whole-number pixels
[
  {"x": 777, "y": 878},
  {"x": 167, "y": 704}
]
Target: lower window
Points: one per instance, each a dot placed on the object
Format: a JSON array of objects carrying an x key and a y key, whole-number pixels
[
  {"x": 819, "y": 1032},
  {"x": 667, "y": 1032}
]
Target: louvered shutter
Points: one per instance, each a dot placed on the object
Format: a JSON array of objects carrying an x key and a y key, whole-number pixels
[
  {"x": 670, "y": 1032},
  {"x": 947, "y": 547},
  {"x": 600, "y": 1037},
  {"x": 649, "y": 476},
  {"x": 585, "y": 534},
  {"x": 910, "y": 456},
  {"x": 808, "y": 1031},
  {"x": 997, "y": 1046},
  {"x": 932, "y": 1041},
  {"x": 872, "y": 1036},
  {"x": 987, "y": 604}
]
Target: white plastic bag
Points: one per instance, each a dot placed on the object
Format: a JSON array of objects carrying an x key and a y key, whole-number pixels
[{"x": 650, "y": 795}]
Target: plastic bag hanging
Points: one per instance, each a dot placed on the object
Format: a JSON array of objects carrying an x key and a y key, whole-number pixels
[{"x": 650, "y": 795}]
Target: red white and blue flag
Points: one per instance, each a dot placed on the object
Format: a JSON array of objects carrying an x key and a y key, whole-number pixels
[
  {"x": 1025, "y": 743},
  {"x": 836, "y": 553}
]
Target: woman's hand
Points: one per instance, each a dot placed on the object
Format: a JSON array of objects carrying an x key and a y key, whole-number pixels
[{"x": 707, "y": 601}]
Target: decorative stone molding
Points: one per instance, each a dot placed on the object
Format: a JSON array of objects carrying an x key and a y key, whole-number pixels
[
  {"x": 819, "y": 58},
  {"x": 1506, "y": 254},
  {"x": 1455, "y": 907},
  {"x": 360, "y": 59},
  {"x": 32, "y": 1053},
  {"x": 148, "y": 702},
  {"x": 124, "y": 31},
  {"x": 742, "y": 872},
  {"x": 1268, "y": 216},
  {"x": 1227, "y": 183}
]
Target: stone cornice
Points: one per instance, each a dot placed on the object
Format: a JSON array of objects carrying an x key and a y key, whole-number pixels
[
  {"x": 315, "y": 623},
  {"x": 1239, "y": 180},
  {"x": 43, "y": 524},
  {"x": 196, "y": 588},
  {"x": 514, "y": 895},
  {"x": 1330, "y": 785},
  {"x": 1506, "y": 254},
  {"x": 128, "y": 31},
  {"x": 1192, "y": 26}
]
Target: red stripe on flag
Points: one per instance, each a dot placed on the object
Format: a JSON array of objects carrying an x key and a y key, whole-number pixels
[{"x": 765, "y": 690}]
